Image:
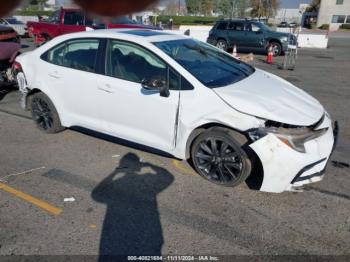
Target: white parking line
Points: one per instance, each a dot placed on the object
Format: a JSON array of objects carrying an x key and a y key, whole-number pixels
[{"x": 3, "y": 179}]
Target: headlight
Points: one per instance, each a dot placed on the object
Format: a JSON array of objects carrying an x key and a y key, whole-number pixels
[
  {"x": 295, "y": 138},
  {"x": 284, "y": 39}
]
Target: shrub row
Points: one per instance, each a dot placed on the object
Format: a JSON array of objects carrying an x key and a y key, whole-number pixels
[
  {"x": 345, "y": 26},
  {"x": 324, "y": 27},
  {"x": 34, "y": 13},
  {"x": 188, "y": 20}
]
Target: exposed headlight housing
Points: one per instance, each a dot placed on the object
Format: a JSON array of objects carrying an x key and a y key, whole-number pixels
[
  {"x": 284, "y": 39},
  {"x": 295, "y": 138}
]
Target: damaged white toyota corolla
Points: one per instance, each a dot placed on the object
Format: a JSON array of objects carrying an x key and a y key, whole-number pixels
[{"x": 184, "y": 97}]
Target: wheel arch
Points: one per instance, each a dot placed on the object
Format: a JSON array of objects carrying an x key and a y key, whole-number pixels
[
  {"x": 272, "y": 40},
  {"x": 237, "y": 134},
  {"x": 29, "y": 96},
  {"x": 255, "y": 180}
]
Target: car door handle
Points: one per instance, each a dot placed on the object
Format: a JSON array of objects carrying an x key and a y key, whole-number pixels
[{"x": 55, "y": 75}]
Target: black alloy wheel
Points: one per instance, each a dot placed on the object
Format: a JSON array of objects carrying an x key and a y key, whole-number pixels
[
  {"x": 42, "y": 114},
  {"x": 219, "y": 159},
  {"x": 45, "y": 115}
]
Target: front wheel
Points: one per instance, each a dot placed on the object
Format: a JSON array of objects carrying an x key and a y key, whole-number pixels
[
  {"x": 218, "y": 158},
  {"x": 276, "y": 48}
]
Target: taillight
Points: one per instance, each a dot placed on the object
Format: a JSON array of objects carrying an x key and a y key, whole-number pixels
[{"x": 17, "y": 66}]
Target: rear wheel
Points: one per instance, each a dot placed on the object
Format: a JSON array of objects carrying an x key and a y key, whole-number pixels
[
  {"x": 45, "y": 114},
  {"x": 218, "y": 158},
  {"x": 222, "y": 44}
]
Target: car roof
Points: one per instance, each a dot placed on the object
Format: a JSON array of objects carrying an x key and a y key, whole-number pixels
[
  {"x": 239, "y": 20},
  {"x": 135, "y": 35}
]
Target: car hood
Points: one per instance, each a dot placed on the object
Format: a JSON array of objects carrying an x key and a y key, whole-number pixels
[
  {"x": 270, "y": 97},
  {"x": 5, "y": 28}
]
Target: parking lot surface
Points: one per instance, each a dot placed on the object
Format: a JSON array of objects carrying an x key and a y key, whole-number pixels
[{"x": 81, "y": 193}]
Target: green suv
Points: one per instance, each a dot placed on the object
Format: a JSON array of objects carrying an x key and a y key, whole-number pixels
[{"x": 248, "y": 35}]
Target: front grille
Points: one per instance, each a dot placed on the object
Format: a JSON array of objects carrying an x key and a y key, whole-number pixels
[{"x": 271, "y": 123}]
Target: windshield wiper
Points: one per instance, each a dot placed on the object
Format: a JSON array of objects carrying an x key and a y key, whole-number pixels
[{"x": 197, "y": 48}]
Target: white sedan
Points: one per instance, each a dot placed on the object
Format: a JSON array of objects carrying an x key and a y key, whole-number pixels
[
  {"x": 17, "y": 25},
  {"x": 170, "y": 92}
]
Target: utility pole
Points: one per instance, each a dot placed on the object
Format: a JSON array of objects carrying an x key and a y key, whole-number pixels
[
  {"x": 179, "y": 8},
  {"x": 233, "y": 9}
]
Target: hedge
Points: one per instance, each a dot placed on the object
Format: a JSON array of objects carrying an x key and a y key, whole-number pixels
[
  {"x": 34, "y": 13},
  {"x": 188, "y": 20},
  {"x": 345, "y": 26},
  {"x": 324, "y": 27}
]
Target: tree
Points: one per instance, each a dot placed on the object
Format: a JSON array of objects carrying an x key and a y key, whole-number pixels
[
  {"x": 314, "y": 6},
  {"x": 171, "y": 9},
  {"x": 231, "y": 8},
  {"x": 206, "y": 7},
  {"x": 223, "y": 7},
  {"x": 264, "y": 8},
  {"x": 38, "y": 3},
  {"x": 41, "y": 3},
  {"x": 193, "y": 6}
]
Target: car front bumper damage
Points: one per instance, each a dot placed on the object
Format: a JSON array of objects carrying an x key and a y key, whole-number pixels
[{"x": 285, "y": 169}]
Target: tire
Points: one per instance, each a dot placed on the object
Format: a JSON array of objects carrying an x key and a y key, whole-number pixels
[
  {"x": 45, "y": 114},
  {"x": 276, "y": 48},
  {"x": 222, "y": 44},
  {"x": 218, "y": 157}
]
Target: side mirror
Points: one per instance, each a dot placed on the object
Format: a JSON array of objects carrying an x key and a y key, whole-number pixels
[{"x": 156, "y": 85}]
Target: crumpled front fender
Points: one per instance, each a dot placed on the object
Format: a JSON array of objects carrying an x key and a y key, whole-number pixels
[{"x": 281, "y": 164}]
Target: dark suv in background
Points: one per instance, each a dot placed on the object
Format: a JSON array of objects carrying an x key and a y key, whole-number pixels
[{"x": 248, "y": 35}]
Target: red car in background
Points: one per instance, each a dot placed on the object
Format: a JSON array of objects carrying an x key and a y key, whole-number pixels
[
  {"x": 8, "y": 34},
  {"x": 65, "y": 21}
]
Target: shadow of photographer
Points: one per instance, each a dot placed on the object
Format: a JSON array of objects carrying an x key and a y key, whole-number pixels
[{"x": 132, "y": 223}]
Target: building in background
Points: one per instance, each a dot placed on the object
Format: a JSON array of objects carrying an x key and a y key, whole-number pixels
[
  {"x": 296, "y": 14},
  {"x": 287, "y": 15},
  {"x": 334, "y": 12}
]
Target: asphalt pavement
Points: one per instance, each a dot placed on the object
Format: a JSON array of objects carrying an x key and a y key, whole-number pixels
[{"x": 84, "y": 194}]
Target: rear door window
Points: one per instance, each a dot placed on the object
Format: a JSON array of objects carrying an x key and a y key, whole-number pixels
[
  {"x": 78, "y": 54},
  {"x": 74, "y": 18},
  {"x": 133, "y": 63},
  {"x": 236, "y": 26},
  {"x": 222, "y": 26}
]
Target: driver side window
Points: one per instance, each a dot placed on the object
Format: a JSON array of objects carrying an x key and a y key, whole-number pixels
[
  {"x": 255, "y": 28},
  {"x": 133, "y": 63}
]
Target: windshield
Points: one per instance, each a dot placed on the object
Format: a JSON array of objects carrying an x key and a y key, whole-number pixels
[
  {"x": 13, "y": 21},
  {"x": 123, "y": 20},
  {"x": 211, "y": 66}
]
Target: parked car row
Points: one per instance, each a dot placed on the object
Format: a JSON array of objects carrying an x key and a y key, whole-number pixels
[
  {"x": 8, "y": 34},
  {"x": 17, "y": 25},
  {"x": 66, "y": 21},
  {"x": 286, "y": 24}
]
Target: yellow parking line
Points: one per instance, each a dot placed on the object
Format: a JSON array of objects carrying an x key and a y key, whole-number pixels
[
  {"x": 39, "y": 203},
  {"x": 178, "y": 164}
]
